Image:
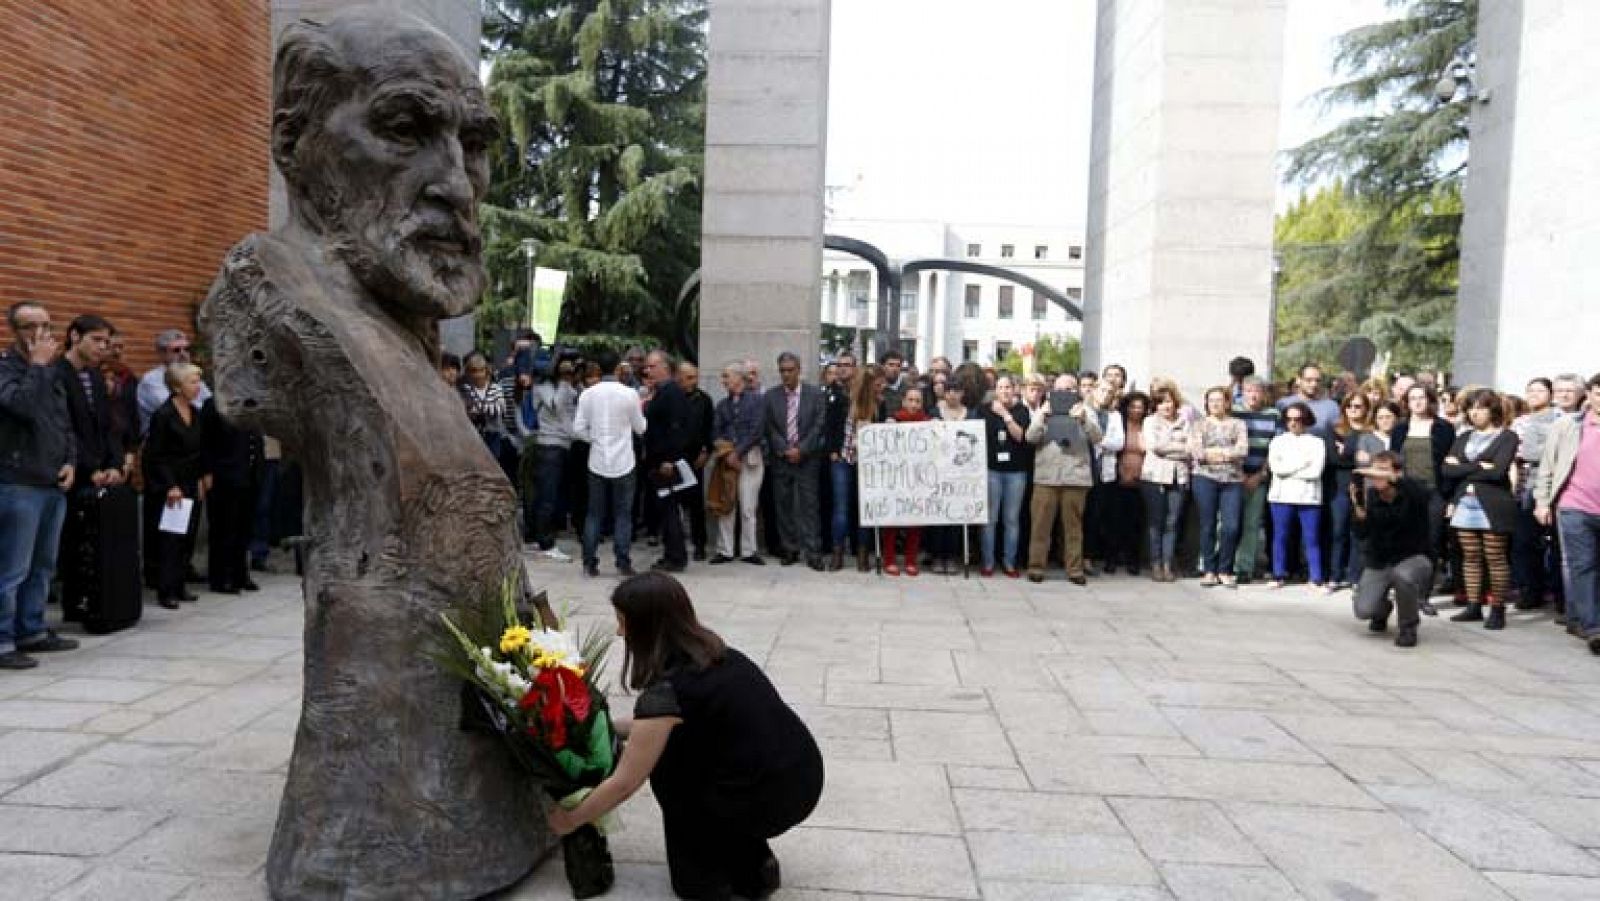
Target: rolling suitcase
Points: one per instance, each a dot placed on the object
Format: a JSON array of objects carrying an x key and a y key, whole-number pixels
[{"x": 100, "y": 555}]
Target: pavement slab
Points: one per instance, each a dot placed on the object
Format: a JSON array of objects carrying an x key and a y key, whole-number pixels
[{"x": 985, "y": 739}]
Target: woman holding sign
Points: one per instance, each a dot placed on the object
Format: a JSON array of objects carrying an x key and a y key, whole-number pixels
[
  {"x": 961, "y": 401},
  {"x": 1010, "y": 461}
]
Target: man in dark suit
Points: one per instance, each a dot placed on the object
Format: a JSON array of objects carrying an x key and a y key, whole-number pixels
[
  {"x": 666, "y": 441},
  {"x": 795, "y": 416},
  {"x": 702, "y": 416},
  {"x": 99, "y": 460}
]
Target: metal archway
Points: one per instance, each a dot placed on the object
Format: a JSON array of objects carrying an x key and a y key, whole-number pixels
[
  {"x": 889, "y": 281},
  {"x": 1026, "y": 281}
]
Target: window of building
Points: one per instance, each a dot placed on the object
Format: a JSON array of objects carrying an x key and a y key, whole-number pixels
[
  {"x": 1041, "y": 305},
  {"x": 908, "y": 300},
  {"x": 969, "y": 351},
  {"x": 1007, "y": 296},
  {"x": 1041, "y": 251},
  {"x": 974, "y": 250},
  {"x": 909, "y": 348},
  {"x": 1075, "y": 293},
  {"x": 1007, "y": 251},
  {"x": 860, "y": 287},
  {"x": 974, "y": 300},
  {"x": 1002, "y": 349},
  {"x": 1075, "y": 252}
]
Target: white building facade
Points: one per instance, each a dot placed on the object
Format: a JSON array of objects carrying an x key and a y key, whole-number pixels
[{"x": 962, "y": 316}]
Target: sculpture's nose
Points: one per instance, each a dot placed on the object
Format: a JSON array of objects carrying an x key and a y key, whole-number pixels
[{"x": 450, "y": 185}]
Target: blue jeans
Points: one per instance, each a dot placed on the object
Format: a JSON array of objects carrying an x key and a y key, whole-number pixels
[
  {"x": 609, "y": 499},
  {"x": 844, "y": 495},
  {"x": 30, "y": 532},
  {"x": 1580, "y": 548},
  {"x": 1310, "y": 517},
  {"x": 1211, "y": 498},
  {"x": 1005, "y": 507},
  {"x": 266, "y": 495},
  {"x": 550, "y": 463},
  {"x": 1345, "y": 567},
  {"x": 1163, "y": 514}
]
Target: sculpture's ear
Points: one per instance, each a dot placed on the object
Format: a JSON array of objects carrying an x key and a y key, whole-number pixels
[{"x": 287, "y": 127}]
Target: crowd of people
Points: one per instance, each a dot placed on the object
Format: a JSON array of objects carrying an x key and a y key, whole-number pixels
[
  {"x": 1396, "y": 491},
  {"x": 80, "y": 436}
]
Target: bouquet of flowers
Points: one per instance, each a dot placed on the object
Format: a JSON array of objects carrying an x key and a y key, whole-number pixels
[{"x": 537, "y": 686}]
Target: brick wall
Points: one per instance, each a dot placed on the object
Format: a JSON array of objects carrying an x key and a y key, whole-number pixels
[{"x": 133, "y": 154}]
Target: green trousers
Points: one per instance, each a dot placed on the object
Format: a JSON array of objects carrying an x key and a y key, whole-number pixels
[{"x": 1255, "y": 506}]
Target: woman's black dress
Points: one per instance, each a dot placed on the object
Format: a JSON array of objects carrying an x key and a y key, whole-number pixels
[
  {"x": 173, "y": 456},
  {"x": 741, "y": 768}
]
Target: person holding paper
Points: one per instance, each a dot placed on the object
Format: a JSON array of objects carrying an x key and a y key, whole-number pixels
[
  {"x": 175, "y": 482},
  {"x": 666, "y": 442}
]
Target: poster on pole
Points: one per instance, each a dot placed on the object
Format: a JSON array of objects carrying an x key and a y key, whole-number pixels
[
  {"x": 544, "y": 309},
  {"x": 931, "y": 473}
]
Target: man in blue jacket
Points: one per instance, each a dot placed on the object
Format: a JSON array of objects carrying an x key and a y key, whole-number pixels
[{"x": 36, "y": 455}]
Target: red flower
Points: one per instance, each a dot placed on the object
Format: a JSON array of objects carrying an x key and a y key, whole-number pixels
[{"x": 554, "y": 692}]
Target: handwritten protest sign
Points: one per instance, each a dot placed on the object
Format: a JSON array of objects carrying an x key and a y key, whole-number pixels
[{"x": 923, "y": 474}]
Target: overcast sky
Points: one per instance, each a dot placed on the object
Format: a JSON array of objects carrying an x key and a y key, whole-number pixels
[{"x": 955, "y": 111}]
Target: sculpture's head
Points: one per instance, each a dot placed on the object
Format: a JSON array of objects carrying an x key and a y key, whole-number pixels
[{"x": 379, "y": 127}]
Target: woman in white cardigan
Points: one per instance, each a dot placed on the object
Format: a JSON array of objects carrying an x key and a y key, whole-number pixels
[{"x": 1296, "y": 459}]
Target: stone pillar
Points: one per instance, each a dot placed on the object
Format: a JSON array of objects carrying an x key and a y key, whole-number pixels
[
  {"x": 766, "y": 138},
  {"x": 925, "y": 314},
  {"x": 462, "y": 21},
  {"x": 1182, "y": 182},
  {"x": 1527, "y": 303}
]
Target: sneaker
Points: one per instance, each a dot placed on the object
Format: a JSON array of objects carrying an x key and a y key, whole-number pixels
[
  {"x": 1407, "y": 637},
  {"x": 1229, "y": 581},
  {"x": 1275, "y": 584},
  {"x": 1209, "y": 580},
  {"x": 558, "y": 554},
  {"x": 49, "y": 643},
  {"x": 19, "y": 660}
]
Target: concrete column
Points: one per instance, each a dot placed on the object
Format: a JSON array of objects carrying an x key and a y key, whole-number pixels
[
  {"x": 462, "y": 20},
  {"x": 766, "y": 137},
  {"x": 1529, "y": 272},
  {"x": 925, "y": 350},
  {"x": 1182, "y": 182}
]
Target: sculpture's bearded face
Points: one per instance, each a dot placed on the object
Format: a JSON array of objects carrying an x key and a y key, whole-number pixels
[{"x": 392, "y": 171}]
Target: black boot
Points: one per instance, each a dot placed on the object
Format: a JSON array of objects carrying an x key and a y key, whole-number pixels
[
  {"x": 1473, "y": 614},
  {"x": 1497, "y": 617},
  {"x": 1407, "y": 637}
]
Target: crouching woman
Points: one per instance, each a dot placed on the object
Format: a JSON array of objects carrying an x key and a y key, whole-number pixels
[{"x": 729, "y": 762}]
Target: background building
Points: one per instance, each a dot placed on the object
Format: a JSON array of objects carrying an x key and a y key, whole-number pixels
[
  {"x": 133, "y": 155},
  {"x": 952, "y": 314}
]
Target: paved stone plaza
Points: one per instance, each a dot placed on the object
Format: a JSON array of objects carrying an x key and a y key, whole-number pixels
[{"x": 985, "y": 739}]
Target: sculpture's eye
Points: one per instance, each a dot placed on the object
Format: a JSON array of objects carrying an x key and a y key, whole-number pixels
[
  {"x": 258, "y": 356},
  {"x": 403, "y": 130}
]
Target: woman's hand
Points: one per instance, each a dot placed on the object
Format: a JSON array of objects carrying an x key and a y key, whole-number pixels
[
  {"x": 562, "y": 822},
  {"x": 174, "y": 495}
]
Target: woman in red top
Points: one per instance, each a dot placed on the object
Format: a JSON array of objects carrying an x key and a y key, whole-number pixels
[{"x": 911, "y": 410}]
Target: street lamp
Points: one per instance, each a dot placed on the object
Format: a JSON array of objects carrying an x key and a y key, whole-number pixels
[
  {"x": 1458, "y": 78},
  {"x": 530, "y": 248}
]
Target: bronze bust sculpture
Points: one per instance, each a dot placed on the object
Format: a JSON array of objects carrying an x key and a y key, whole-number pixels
[{"x": 324, "y": 334}]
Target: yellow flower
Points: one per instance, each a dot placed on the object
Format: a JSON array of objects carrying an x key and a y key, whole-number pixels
[{"x": 514, "y": 638}]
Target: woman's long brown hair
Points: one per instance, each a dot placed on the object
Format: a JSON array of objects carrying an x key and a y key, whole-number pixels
[{"x": 660, "y": 625}]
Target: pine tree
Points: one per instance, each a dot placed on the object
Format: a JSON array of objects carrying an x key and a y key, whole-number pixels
[
  {"x": 603, "y": 103},
  {"x": 1390, "y": 271}
]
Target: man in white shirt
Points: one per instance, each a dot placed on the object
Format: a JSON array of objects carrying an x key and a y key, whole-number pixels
[
  {"x": 609, "y": 416},
  {"x": 172, "y": 346}
]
